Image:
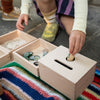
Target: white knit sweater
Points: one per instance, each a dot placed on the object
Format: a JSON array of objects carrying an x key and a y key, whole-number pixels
[{"x": 81, "y": 12}]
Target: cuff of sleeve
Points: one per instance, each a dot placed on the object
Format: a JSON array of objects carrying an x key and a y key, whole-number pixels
[
  {"x": 80, "y": 25},
  {"x": 25, "y": 10}
]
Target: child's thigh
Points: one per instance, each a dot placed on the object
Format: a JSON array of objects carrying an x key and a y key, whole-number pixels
[{"x": 65, "y": 7}]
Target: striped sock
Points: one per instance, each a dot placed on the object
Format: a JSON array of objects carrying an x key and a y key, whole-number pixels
[
  {"x": 51, "y": 28},
  {"x": 50, "y": 17}
]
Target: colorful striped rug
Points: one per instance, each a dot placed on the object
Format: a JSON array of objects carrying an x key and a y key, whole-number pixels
[{"x": 18, "y": 84}]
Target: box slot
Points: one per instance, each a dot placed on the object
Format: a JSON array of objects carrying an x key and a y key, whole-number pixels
[{"x": 61, "y": 63}]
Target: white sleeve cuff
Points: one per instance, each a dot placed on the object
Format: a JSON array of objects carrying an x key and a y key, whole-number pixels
[
  {"x": 25, "y": 9},
  {"x": 25, "y": 6},
  {"x": 81, "y": 12},
  {"x": 80, "y": 24}
]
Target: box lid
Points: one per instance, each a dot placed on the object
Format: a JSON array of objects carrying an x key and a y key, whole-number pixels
[{"x": 77, "y": 69}]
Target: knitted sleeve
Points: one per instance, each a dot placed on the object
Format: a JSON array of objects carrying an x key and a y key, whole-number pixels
[
  {"x": 25, "y": 5},
  {"x": 81, "y": 12}
]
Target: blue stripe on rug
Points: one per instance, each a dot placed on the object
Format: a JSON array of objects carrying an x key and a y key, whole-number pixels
[
  {"x": 97, "y": 72},
  {"x": 25, "y": 87},
  {"x": 94, "y": 88}
]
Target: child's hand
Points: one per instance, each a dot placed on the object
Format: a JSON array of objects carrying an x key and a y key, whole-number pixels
[
  {"x": 76, "y": 41},
  {"x": 22, "y": 19}
]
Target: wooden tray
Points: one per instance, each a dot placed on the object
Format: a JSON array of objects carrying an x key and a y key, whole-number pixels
[
  {"x": 4, "y": 56},
  {"x": 7, "y": 39},
  {"x": 33, "y": 46}
]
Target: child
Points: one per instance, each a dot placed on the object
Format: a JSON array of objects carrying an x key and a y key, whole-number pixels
[
  {"x": 9, "y": 13},
  {"x": 60, "y": 12}
]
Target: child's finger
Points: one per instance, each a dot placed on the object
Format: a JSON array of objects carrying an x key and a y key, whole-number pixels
[
  {"x": 81, "y": 43},
  {"x": 21, "y": 29},
  {"x": 77, "y": 46},
  {"x": 26, "y": 20},
  {"x": 71, "y": 44},
  {"x": 20, "y": 25}
]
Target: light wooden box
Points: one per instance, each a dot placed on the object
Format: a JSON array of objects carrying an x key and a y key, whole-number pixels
[
  {"x": 4, "y": 56},
  {"x": 33, "y": 46},
  {"x": 69, "y": 81},
  {"x": 14, "y": 35}
]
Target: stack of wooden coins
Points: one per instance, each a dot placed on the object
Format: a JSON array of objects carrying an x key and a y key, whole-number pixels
[{"x": 70, "y": 57}]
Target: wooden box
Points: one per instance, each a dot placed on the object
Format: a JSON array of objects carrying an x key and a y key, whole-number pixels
[
  {"x": 36, "y": 47},
  {"x": 15, "y": 39},
  {"x": 69, "y": 78},
  {"x": 4, "y": 56}
]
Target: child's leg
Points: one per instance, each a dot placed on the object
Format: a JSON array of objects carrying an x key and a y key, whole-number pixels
[
  {"x": 46, "y": 6},
  {"x": 65, "y": 14},
  {"x": 67, "y": 22},
  {"x": 48, "y": 9}
]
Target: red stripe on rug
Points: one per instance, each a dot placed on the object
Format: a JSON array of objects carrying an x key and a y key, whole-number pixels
[
  {"x": 90, "y": 96},
  {"x": 9, "y": 94},
  {"x": 32, "y": 85},
  {"x": 96, "y": 84},
  {"x": 97, "y": 80}
]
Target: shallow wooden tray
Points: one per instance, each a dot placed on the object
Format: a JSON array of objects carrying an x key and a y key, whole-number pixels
[
  {"x": 13, "y": 35},
  {"x": 4, "y": 56},
  {"x": 33, "y": 46}
]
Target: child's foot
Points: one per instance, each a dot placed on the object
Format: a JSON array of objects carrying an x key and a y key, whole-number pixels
[
  {"x": 12, "y": 16},
  {"x": 50, "y": 32}
]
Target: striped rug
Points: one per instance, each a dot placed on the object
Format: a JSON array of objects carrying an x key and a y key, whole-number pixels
[{"x": 18, "y": 84}]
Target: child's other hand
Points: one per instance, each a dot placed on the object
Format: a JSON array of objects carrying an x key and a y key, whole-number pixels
[
  {"x": 76, "y": 41},
  {"x": 22, "y": 19}
]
